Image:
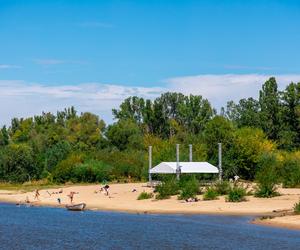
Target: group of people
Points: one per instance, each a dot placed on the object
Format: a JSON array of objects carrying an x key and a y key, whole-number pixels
[{"x": 104, "y": 188}]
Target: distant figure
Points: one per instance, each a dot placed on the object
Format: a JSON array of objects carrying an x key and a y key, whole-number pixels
[
  {"x": 27, "y": 200},
  {"x": 106, "y": 188},
  {"x": 71, "y": 196},
  {"x": 134, "y": 190},
  {"x": 236, "y": 178},
  {"x": 37, "y": 194},
  {"x": 59, "y": 201}
]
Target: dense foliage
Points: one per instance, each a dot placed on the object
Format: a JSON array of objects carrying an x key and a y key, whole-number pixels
[{"x": 68, "y": 146}]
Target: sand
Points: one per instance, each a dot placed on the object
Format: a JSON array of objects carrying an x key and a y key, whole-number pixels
[{"x": 121, "y": 198}]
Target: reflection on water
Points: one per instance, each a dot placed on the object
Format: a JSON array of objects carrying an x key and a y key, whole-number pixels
[{"x": 53, "y": 228}]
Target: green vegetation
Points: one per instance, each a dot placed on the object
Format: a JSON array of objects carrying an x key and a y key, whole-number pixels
[
  {"x": 210, "y": 194},
  {"x": 267, "y": 177},
  {"x": 236, "y": 194},
  {"x": 222, "y": 187},
  {"x": 71, "y": 147},
  {"x": 167, "y": 188},
  {"x": 189, "y": 189},
  {"x": 297, "y": 208},
  {"x": 144, "y": 195}
]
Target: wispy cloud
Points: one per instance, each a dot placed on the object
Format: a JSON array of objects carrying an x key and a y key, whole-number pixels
[
  {"x": 49, "y": 62},
  {"x": 221, "y": 88},
  {"x": 95, "y": 24},
  {"x": 9, "y": 66},
  {"x": 26, "y": 99},
  {"x": 249, "y": 67}
]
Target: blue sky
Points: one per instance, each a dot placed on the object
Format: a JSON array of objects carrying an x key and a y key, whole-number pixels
[{"x": 92, "y": 54}]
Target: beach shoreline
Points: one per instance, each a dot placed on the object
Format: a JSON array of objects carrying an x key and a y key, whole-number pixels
[{"x": 122, "y": 199}]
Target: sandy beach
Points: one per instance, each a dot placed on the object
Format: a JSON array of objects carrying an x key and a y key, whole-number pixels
[{"x": 121, "y": 198}]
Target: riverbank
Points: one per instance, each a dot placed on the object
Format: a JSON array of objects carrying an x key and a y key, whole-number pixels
[{"x": 123, "y": 198}]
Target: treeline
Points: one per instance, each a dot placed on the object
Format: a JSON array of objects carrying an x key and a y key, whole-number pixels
[{"x": 68, "y": 146}]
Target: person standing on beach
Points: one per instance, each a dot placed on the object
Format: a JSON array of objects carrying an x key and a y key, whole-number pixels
[
  {"x": 37, "y": 195},
  {"x": 71, "y": 196}
]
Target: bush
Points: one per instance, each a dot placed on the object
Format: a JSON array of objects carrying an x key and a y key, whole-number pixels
[
  {"x": 166, "y": 189},
  {"x": 189, "y": 189},
  {"x": 236, "y": 194},
  {"x": 222, "y": 187},
  {"x": 291, "y": 173},
  {"x": 64, "y": 170},
  {"x": 144, "y": 196},
  {"x": 210, "y": 194},
  {"x": 297, "y": 208},
  {"x": 92, "y": 171},
  {"x": 267, "y": 177}
]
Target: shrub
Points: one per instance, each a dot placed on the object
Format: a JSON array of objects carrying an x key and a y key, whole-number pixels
[
  {"x": 144, "y": 196},
  {"x": 291, "y": 173},
  {"x": 189, "y": 189},
  {"x": 236, "y": 194},
  {"x": 297, "y": 208},
  {"x": 166, "y": 189},
  {"x": 64, "y": 170},
  {"x": 222, "y": 187},
  {"x": 210, "y": 194},
  {"x": 92, "y": 171},
  {"x": 267, "y": 177}
]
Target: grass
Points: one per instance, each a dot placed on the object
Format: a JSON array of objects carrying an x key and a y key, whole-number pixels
[
  {"x": 32, "y": 185},
  {"x": 145, "y": 196},
  {"x": 297, "y": 208},
  {"x": 236, "y": 194},
  {"x": 222, "y": 187},
  {"x": 210, "y": 194}
]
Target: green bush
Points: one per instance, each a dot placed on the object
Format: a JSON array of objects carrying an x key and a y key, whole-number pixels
[
  {"x": 297, "y": 208},
  {"x": 167, "y": 188},
  {"x": 236, "y": 194},
  {"x": 290, "y": 173},
  {"x": 144, "y": 196},
  {"x": 91, "y": 171},
  {"x": 64, "y": 170},
  {"x": 189, "y": 189},
  {"x": 222, "y": 187},
  {"x": 210, "y": 194},
  {"x": 267, "y": 177}
]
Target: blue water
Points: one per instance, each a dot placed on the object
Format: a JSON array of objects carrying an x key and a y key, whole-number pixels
[{"x": 54, "y": 228}]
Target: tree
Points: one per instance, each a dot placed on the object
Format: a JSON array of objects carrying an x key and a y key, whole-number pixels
[
  {"x": 270, "y": 108},
  {"x": 125, "y": 134},
  {"x": 4, "y": 137},
  {"x": 290, "y": 134},
  {"x": 245, "y": 113}
]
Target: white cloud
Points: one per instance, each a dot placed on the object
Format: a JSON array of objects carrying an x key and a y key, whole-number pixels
[
  {"x": 219, "y": 89},
  {"x": 9, "y": 66},
  {"x": 49, "y": 62},
  {"x": 23, "y": 99}
]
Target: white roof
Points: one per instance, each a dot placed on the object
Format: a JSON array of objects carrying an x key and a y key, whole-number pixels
[{"x": 185, "y": 167}]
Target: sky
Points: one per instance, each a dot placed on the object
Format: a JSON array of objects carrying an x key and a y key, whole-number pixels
[{"x": 93, "y": 54}]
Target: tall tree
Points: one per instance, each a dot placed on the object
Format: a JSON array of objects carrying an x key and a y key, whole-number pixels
[{"x": 270, "y": 108}]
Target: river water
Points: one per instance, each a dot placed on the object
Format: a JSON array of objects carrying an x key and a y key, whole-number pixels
[{"x": 54, "y": 228}]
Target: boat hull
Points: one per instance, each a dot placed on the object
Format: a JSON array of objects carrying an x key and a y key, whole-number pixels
[{"x": 76, "y": 207}]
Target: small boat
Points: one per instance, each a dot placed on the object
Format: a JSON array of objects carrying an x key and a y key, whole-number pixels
[{"x": 76, "y": 207}]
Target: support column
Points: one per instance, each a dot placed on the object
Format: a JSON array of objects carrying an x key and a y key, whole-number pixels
[
  {"x": 191, "y": 152},
  {"x": 177, "y": 162},
  {"x": 150, "y": 163},
  {"x": 220, "y": 161}
]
